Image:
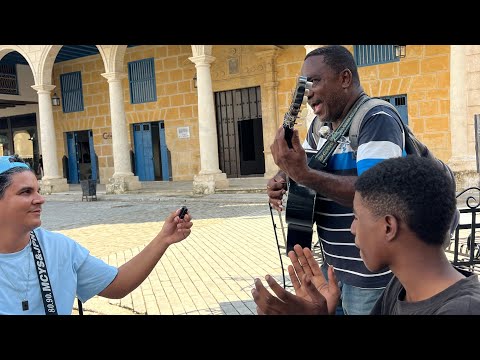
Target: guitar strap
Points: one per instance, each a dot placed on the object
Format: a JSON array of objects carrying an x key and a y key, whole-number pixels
[{"x": 319, "y": 161}]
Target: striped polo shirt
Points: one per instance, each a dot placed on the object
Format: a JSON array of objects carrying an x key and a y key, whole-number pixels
[{"x": 380, "y": 137}]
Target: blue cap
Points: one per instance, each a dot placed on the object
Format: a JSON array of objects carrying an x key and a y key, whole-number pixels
[{"x": 7, "y": 163}]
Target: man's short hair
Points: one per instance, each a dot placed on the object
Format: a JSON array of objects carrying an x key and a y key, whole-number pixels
[
  {"x": 413, "y": 189},
  {"x": 338, "y": 58}
]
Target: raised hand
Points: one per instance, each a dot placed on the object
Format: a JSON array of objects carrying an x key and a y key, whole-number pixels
[
  {"x": 175, "y": 229},
  {"x": 304, "y": 264},
  {"x": 286, "y": 303},
  {"x": 292, "y": 161}
]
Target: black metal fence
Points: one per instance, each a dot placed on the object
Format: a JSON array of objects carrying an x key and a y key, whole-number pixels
[{"x": 465, "y": 246}]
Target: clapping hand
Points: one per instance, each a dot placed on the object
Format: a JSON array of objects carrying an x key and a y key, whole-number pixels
[
  {"x": 286, "y": 303},
  {"x": 313, "y": 294},
  {"x": 304, "y": 269}
]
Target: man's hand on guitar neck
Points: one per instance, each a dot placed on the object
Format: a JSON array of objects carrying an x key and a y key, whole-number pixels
[
  {"x": 292, "y": 161},
  {"x": 276, "y": 188}
]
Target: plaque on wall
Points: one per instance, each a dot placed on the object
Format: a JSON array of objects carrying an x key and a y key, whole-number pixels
[{"x": 183, "y": 132}]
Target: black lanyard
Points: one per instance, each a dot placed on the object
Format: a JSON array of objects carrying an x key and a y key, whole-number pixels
[{"x": 43, "y": 279}]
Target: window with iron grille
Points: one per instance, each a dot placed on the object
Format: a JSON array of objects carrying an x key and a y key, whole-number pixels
[
  {"x": 141, "y": 78},
  {"x": 400, "y": 103},
  {"x": 72, "y": 95},
  {"x": 366, "y": 55},
  {"x": 8, "y": 79}
]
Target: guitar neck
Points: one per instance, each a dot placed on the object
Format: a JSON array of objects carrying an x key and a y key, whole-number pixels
[
  {"x": 291, "y": 115},
  {"x": 288, "y": 136},
  {"x": 288, "y": 120}
]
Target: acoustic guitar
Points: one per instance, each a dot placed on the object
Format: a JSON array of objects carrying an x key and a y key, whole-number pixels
[{"x": 300, "y": 206}]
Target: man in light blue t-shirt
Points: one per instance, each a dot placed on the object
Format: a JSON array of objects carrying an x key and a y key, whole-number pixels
[{"x": 42, "y": 272}]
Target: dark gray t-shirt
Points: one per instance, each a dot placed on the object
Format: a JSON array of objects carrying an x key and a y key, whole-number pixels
[{"x": 462, "y": 298}]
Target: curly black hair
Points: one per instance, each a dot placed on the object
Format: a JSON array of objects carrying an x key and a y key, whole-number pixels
[
  {"x": 413, "y": 189},
  {"x": 338, "y": 58},
  {"x": 6, "y": 176}
]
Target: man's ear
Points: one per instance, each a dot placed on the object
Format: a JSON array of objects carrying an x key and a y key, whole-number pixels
[
  {"x": 391, "y": 227},
  {"x": 346, "y": 78}
]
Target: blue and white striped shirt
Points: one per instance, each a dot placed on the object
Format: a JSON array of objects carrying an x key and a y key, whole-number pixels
[{"x": 380, "y": 137}]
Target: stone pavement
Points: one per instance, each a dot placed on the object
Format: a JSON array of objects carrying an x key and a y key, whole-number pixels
[{"x": 211, "y": 272}]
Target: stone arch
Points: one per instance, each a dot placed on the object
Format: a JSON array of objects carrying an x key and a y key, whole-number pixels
[
  {"x": 113, "y": 57},
  {"x": 45, "y": 64},
  {"x": 5, "y": 49}
]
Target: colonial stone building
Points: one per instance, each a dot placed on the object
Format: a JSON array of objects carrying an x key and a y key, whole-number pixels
[{"x": 204, "y": 113}]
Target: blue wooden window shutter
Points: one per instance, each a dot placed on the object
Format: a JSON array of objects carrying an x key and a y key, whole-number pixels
[
  {"x": 141, "y": 78},
  {"x": 72, "y": 95},
  {"x": 400, "y": 103},
  {"x": 366, "y": 55}
]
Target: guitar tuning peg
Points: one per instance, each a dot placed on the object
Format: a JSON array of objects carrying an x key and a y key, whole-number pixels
[{"x": 308, "y": 85}]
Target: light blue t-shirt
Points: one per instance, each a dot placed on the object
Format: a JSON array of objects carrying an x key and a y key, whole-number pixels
[{"x": 71, "y": 269}]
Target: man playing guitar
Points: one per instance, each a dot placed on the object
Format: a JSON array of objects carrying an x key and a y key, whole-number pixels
[{"x": 335, "y": 90}]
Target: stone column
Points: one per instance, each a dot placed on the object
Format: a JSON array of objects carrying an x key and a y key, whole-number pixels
[
  {"x": 210, "y": 177},
  {"x": 123, "y": 179},
  {"x": 270, "y": 119},
  {"x": 461, "y": 162},
  {"x": 51, "y": 181}
]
